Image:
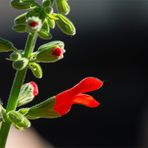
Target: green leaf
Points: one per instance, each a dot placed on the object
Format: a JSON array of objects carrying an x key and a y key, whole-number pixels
[
  {"x": 44, "y": 109},
  {"x": 65, "y": 25},
  {"x": 63, "y": 6},
  {"x": 21, "y": 28},
  {"x": 36, "y": 70},
  {"x": 22, "y": 4},
  {"x": 6, "y": 46},
  {"x": 21, "y": 19},
  {"x": 18, "y": 120}
]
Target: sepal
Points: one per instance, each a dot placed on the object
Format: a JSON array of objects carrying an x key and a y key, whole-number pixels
[
  {"x": 18, "y": 120},
  {"x": 21, "y": 28},
  {"x": 20, "y": 64},
  {"x": 14, "y": 56},
  {"x": 44, "y": 109}
]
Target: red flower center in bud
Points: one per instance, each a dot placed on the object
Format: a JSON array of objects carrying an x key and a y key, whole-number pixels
[
  {"x": 57, "y": 52},
  {"x": 35, "y": 88},
  {"x": 34, "y": 24}
]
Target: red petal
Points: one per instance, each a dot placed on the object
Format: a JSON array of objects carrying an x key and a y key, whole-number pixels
[
  {"x": 35, "y": 88},
  {"x": 57, "y": 52},
  {"x": 86, "y": 100},
  {"x": 65, "y": 99}
]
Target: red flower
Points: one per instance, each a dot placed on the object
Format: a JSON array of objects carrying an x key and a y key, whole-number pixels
[{"x": 75, "y": 95}]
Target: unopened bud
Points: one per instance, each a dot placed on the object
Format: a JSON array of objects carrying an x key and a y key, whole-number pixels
[
  {"x": 65, "y": 25},
  {"x": 63, "y": 6},
  {"x": 51, "y": 52},
  {"x": 27, "y": 93},
  {"x": 34, "y": 24}
]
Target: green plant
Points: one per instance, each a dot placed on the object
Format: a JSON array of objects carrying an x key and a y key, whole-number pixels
[{"x": 38, "y": 21}]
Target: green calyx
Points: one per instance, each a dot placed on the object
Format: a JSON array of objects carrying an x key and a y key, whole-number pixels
[
  {"x": 20, "y": 64},
  {"x": 18, "y": 120},
  {"x": 44, "y": 109},
  {"x": 6, "y": 46}
]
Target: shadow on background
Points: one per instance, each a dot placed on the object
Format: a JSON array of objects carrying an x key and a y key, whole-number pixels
[{"x": 111, "y": 44}]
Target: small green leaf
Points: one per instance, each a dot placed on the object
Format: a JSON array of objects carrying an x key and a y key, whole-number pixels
[
  {"x": 21, "y": 19},
  {"x": 63, "y": 6},
  {"x": 36, "y": 70},
  {"x": 22, "y": 4},
  {"x": 65, "y": 25},
  {"x": 6, "y": 46},
  {"x": 44, "y": 109},
  {"x": 45, "y": 26},
  {"x": 21, "y": 28},
  {"x": 18, "y": 120}
]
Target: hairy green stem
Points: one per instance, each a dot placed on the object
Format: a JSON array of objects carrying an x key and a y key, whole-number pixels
[{"x": 15, "y": 90}]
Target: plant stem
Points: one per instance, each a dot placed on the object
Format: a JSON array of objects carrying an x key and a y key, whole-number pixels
[{"x": 15, "y": 90}]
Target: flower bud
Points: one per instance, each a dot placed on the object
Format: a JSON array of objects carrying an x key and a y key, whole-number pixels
[
  {"x": 18, "y": 120},
  {"x": 63, "y": 7},
  {"x": 27, "y": 93},
  {"x": 51, "y": 52},
  {"x": 47, "y": 3},
  {"x": 6, "y": 46},
  {"x": 36, "y": 70},
  {"x": 21, "y": 28},
  {"x": 20, "y": 64},
  {"x": 34, "y": 24},
  {"x": 22, "y": 4},
  {"x": 15, "y": 56},
  {"x": 20, "y": 19},
  {"x": 65, "y": 25}
]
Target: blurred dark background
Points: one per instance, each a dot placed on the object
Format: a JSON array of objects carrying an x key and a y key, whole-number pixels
[{"x": 111, "y": 44}]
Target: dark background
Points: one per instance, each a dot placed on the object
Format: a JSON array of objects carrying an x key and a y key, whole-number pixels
[{"x": 111, "y": 44}]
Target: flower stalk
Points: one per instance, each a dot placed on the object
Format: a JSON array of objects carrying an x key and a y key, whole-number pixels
[
  {"x": 15, "y": 90},
  {"x": 38, "y": 21}
]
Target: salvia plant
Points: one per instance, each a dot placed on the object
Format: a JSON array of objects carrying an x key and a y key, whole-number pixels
[{"x": 38, "y": 21}]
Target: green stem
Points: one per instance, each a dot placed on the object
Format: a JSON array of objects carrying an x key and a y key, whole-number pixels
[{"x": 15, "y": 90}]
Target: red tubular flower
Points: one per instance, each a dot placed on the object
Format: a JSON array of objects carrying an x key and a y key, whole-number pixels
[{"x": 75, "y": 95}]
